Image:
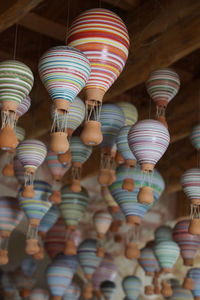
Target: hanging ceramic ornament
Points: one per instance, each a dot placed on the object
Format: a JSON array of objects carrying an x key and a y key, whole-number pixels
[
  {"x": 109, "y": 200},
  {"x": 102, "y": 221},
  {"x": 16, "y": 81},
  {"x": 18, "y": 170},
  {"x": 39, "y": 294},
  {"x": 148, "y": 140},
  {"x": 163, "y": 233},
  {"x": 179, "y": 293},
  {"x": 31, "y": 154},
  {"x": 35, "y": 209},
  {"x": 108, "y": 289},
  {"x": 10, "y": 216},
  {"x": 107, "y": 50},
  {"x": 190, "y": 183},
  {"x": 192, "y": 282},
  {"x": 57, "y": 170},
  {"x": 188, "y": 243},
  {"x": 112, "y": 119},
  {"x": 132, "y": 286},
  {"x": 80, "y": 154},
  {"x": 73, "y": 292},
  {"x": 162, "y": 86},
  {"x": 64, "y": 71},
  {"x": 195, "y": 137},
  {"x": 72, "y": 208}
]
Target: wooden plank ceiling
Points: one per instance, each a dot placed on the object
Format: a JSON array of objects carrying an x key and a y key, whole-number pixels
[{"x": 163, "y": 33}]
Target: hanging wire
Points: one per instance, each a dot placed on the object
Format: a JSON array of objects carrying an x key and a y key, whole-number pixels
[
  {"x": 15, "y": 41},
  {"x": 68, "y": 10}
]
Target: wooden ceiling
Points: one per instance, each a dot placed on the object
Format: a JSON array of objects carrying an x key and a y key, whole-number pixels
[{"x": 162, "y": 33}]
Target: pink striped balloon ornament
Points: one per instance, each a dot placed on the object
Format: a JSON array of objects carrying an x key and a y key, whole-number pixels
[
  {"x": 103, "y": 38},
  {"x": 148, "y": 141},
  {"x": 162, "y": 86},
  {"x": 190, "y": 181},
  {"x": 64, "y": 71}
]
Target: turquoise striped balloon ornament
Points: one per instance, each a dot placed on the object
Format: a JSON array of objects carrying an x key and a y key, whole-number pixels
[
  {"x": 148, "y": 141},
  {"x": 195, "y": 137},
  {"x": 163, "y": 233},
  {"x": 35, "y": 209},
  {"x": 73, "y": 292},
  {"x": 108, "y": 289},
  {"x": 72, "y": 207},
  {"x": 58, "y": 276},
  {"x": 192, "y": 282},
  {"x": 112, "y": 119},
  {"x": 132, "y": 286},
  {"x": 190, "y": 183},
  {"x": 10, "y": 216},
  {"x": 167, "y": 253},
  {"x": 162, "y": 86},
  {"x": 80, "y": 154},
  {"x": 57, "y": 170},
  {"x": 180, "y": 293},
  {"x": 16, "y": 81},
  {"x": 39, "y": 294},
  {"x": 64, "y": 72},
  {"x": 31, "y": 153}
]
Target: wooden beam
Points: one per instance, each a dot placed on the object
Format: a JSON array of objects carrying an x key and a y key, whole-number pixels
[
  {"x": 15, "y": 11},
  {"x": 123, "y": 4}
]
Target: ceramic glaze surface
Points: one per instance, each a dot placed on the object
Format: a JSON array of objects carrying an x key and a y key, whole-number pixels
[
  {"x": 163, "y": 233},
  {"x": 167, "y": 253},
  {"x": 130, "y": 113},
  {"x": 194, "y": 273},
  {"x": 190, "y": 183},
  {"x": 56, "y": 168},
  {"x": 20, "y": 133},
  {"x": 102, "y": 221},
  {"x": 49, "y": 219},
  {"x": 80, "y": 152},
  {"x": 179, "y": 293},
  {"x": 28, "y": 266},
  {"x": 148, "y": 260},
  {"x": 132, "y": 287},
  {"x": 23, "y": 106},
  {"x": 73, "y": 292},
  {"x": 195, "y": 137},
  {"x": 18, "y": 169},
  {"x": 70, "y": 260},
  {"x": 39, "y": 294},
  {"x": 108, "y": 289},
  {"x": 122, "y": 143}
]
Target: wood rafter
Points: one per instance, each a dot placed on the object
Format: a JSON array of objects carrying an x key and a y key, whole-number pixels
[{"x": 123, "y": 4}]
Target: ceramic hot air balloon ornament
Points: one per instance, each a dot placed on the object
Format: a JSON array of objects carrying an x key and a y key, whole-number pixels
[
  {"x": 188, "y": 243},
  {"x": 162, "y": 86},
  {"x": 192, "y": 282},
  {"x": 107, "y": 50},
  {"x": 112, "y": 119},
  {"x": 179, "y": 293},
  {"x": 72, "y": 208},
  {"x": 148, "y": 140},
  {"x": 190, "y": 183},
  {"x": 89, "y": 262},
  {"x": 102, "y": 221},
  {"x": 64, "y": 71},
  {"x": 57, "y": 170},
  {"x": 73, "y": 292},
  {"x": 195, "y": 137},
  {"x": 35, "y": 209},
  {"x": 59, "y": 276},
  {"x": 10, "y": 217},
  {"x": 16, "y": 81},
  {"x": 31, "y": 154},
  {"x": 18, "y": 170},
  {"x": 80, "y": 154},
  {"x": 132, "y": 286},
  {"x": 163, "y": 233},
  {"x": 108, "y": 289},
  {"x": 39, "y": 294}
]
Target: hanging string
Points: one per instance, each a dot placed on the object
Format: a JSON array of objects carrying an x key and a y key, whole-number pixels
[
  {"x": 68, "y": 10},
  {"x": 15, "y": 41}
]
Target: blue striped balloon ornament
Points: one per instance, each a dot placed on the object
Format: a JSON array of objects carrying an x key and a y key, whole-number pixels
[
  {"x": 73, "y": 292},
  {"x": 108, "y": 289},
  {"x": 195, "y": 137},
  {"x": 132, "y": 286},
  {"x": 192, "y": 282}
]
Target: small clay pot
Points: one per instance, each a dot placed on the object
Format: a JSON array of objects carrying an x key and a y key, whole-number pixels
[
  {"x": 128, "y": 184},
  {"x": 119, "y": 158},
  {"x": 39, "y": 255},
  {"x": 87, "y": 291},
  {"x": 3, "y": 257},
  {"x": 100, "y": 252},
  {"x": 91, "y": 134},
  {"x": 8, "y": 139},
  {"x": 149, "y": 290},
  {"x": 32, "y": 246},
  {"x": 188, "y": 262},
  {"x": 28, "y": 192},
  {"x": 104, "y": 177},
  {"x": 8, "y": 170},
  {"x": 145, "y": 195},
  {"x": 188, "y": 283},
  {"x": 166, "y": 289},
  {"x": 115, "y": 225},
  {"x": 65, "y": 158},
  {"x": 146, "y": 167},
  {"x": 133, "y": 220},
  {"x": 194, "y": 227},
  {"x": 59, "y": 142},
  {"x": 75, "y": 186},
  {"x": 162, "y": 120},
  {"x": 70, "y": 248},
  {"x": 55, "y": 197},
  {"x": 132, "y": 251}
]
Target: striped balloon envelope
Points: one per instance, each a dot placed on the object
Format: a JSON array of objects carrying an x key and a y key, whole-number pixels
[
  {"x": 194, "y": 275},
  {"x": 148, "y": 140},
  {"x": 70, "y": 260},
  {"x": 148, "y": 261},
  {"x": 108, "y": 198},
  {"x": 103, "y": 37},
  {"x": 188, "y": 243},
  {"x": 64, "y": 71},
  {"x": 23, "y": 283},
  {"x": 39, "y": 294},
  {"x": 20, "y": 133},
  {"x": 28, "y": 266},
  {"x": 49, "y": 219},
  {"x": 73, "y": 206},
  {"x": 88, "y": 259},
  {"x": 167, "y": 253},
  {"x": 102, "y": 221},
  {"x": 190, "y": 183},
  {"x": 107, "y": 271},
  {"x": 163, "y": 233},
  {"x": 80, "y": 152},
  {"x": 130, "y": 113},
  {"x": 73, "y": 292},
  {"x": 132, "y": 286},
  {"x": 179, "y": 293},
  {"x": 108, "y": 289},
  {"x": 123, "y": 146},
  {"x": 23, "y": 107},
  {"x": 56, "y": 168},
  {"x": 59, "y": 276},
  {"x": 18, "y": 170},
  {"x": 195, "y": 137}
]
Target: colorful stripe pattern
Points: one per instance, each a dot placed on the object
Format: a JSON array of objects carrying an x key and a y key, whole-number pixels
[
  {"x": 80, "y": 152},
  {"x": 39, "y": 294},
  {"x": 163, "y": 233},
  {"x": 179, "y": 293},
  {"x": 31, "y": 153},
  {"x": 112, "y": 119},
  {"x": 148, "y": 260},
  {"x": 108, "y": 289},
  {"x": 70, "y": 260},
  {"x": 107, "y": 270},
  {"x": 28, "y": 266},
  {"x": 49, "y": 219},
  {"x": 20, "y": 133},
  {"x": 122, "y": 143},
  {"x": 190, "y": 181},
  {"x": 56, "y": 168},
  {"x": 59, "y": 277},
  {"x": 87, "y": 257},
  {"x": 167, "y": 253},
  {"x": 132, "y": 287},
  {"x": 163, "y": 84},
  {"x": 103, "y": 37},
  {"x": 195, "y": 137},
  {"x": 10, "y": 213},
  {"x": 73, "y": 292},
  {"x": 194, "y": 273},
  {"x": 23, "y": 107},
  {"x": 130, "y": 113},
  {"x": 148, "y": 140},
  {"x": 16, "y": 81},
  {"x": 18, "y": 169},
  {"x": 102, "y": 221},
  {"x": 64, "y": 71},
  {"x": 36, "y": 207},
  {"x": 73, "y": 205},
  {"x": 188, "y": 243}
]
